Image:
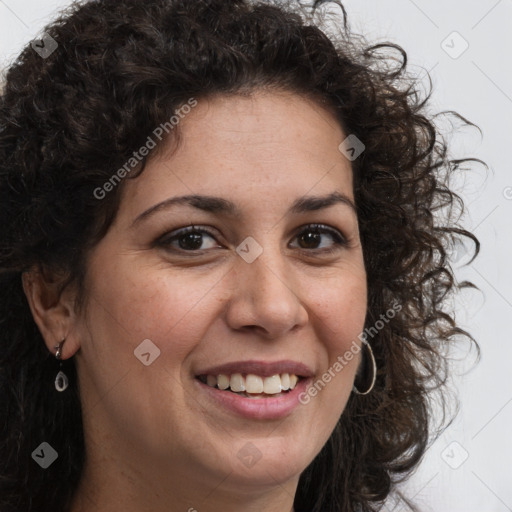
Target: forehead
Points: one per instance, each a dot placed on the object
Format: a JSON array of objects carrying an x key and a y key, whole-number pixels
[
  {"x": 258, "y": 124},
  {"x": 247, "y": 147}
]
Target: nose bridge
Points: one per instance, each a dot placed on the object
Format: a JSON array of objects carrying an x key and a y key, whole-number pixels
[{"x": 265, "y": 294}]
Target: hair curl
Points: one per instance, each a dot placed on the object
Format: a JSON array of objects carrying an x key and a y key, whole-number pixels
[{"x": 123, "y": 67}]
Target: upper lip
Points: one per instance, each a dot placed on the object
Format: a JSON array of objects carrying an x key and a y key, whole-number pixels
[{"x": 261, "y": 368}]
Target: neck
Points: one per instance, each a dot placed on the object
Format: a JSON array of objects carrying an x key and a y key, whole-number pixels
[{"x": 121, "y": 487}]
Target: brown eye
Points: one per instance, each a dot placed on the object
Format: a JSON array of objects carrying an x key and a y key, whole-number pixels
[
  {"x": 190, "y": 239},
  {"x": 310, "y": 239},
  {"x": 313, "y": 236}
]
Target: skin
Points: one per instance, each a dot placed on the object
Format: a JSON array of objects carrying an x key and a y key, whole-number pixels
[{"x": 153, "y": 441}]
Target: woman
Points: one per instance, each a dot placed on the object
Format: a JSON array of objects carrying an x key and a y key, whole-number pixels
[{"x": 224, "y": 263}]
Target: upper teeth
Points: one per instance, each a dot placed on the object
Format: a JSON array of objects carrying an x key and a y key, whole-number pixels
[{"x": 253, "y": 383}]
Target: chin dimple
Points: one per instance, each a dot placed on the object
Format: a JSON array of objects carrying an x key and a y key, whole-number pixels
[{"x": 252, "y": 384}]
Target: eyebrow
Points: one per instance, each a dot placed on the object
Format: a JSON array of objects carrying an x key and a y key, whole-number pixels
[{"x": 219, "y": 205}]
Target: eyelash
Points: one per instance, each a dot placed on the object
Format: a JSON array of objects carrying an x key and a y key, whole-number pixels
[{"x": 339, "y": 241}]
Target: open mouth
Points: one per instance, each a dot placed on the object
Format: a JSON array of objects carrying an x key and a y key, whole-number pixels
[{"x": 252, "y": 386}]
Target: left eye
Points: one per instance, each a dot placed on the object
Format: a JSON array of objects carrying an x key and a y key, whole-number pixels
[
  {"x": 190, "y": 239},
  {"x": 313, "y": 234}
]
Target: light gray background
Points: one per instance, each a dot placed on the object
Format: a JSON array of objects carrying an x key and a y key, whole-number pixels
[{"x": 477, "y": 84}]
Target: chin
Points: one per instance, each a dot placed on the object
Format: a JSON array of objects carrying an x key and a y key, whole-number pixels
[{"x": 270, "y": 466}]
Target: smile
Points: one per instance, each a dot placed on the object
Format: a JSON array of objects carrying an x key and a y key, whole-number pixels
[{"x": 251, "y": 385}]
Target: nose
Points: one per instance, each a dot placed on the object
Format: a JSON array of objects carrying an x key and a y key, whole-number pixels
[{"x": 267, "y": 297}]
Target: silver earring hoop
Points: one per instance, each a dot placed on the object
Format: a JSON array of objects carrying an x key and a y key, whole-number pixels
[
  {"x": 369, "y": 371},
  {"x": 61, "y": 380}
]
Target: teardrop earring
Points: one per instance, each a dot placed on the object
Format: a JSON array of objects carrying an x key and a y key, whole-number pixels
[{"x": 61, "y": 381}]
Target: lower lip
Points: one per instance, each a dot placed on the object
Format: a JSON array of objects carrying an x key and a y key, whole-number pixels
[{"x": 256, "y": 408}]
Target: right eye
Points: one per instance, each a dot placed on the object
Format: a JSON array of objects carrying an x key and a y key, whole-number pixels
[{"x": 189, "y": 239}]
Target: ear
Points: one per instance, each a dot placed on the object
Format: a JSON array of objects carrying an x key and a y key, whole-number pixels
[{"x": 53, "y": 310}]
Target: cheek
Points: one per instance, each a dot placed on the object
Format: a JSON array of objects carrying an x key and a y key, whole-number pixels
[
  {"x": 130, "y": 303},
  {"x": 340, "y": 318},
  {"x": 341, "y": 311}
]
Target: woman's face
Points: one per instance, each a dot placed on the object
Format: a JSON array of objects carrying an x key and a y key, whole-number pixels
[{"x": 252, "y": 286}]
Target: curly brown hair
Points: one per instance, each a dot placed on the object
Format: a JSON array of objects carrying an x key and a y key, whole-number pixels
[{"x": 123, "y": 67}]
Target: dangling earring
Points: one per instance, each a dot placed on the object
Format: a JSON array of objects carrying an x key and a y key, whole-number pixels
[
  {"x": 61, "y": 381},
  {"x": 369, "y": 376}
]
